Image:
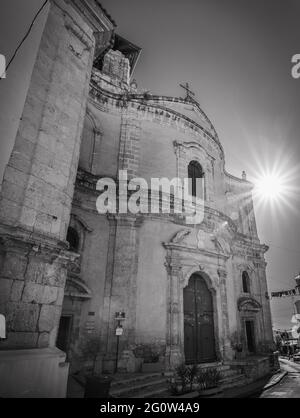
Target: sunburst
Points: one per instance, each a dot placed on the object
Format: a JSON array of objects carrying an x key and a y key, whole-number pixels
[{"x": 276, "y": 176}]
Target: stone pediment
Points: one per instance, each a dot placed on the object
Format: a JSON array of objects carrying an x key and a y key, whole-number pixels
[
  {"x": 248, "y": 304},
  {"x": 76, "y": 288},
  {"x": 198, "y": 239},
  {"x": 192, "y": 111}
]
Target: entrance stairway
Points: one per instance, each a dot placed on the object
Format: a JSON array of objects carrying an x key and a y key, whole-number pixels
[
  {"x": 155, "y": 385},
  {"x": 232, "y": 377},
  {"x": 139, "y": 385}
]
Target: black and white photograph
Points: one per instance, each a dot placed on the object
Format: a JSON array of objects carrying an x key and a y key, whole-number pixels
[{"x": 149, "y": 202}]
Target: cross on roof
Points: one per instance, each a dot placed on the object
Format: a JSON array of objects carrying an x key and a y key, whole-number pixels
[{"x": 189, "y": 92}]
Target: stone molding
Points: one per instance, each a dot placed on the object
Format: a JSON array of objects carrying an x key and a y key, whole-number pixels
[
  {"x": 161, "y": 113},
  {"x": 248, "y": 304}
]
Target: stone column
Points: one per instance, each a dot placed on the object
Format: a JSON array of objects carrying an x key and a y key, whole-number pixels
[
  {"x": 225, "y": 318},
  {"x": 266, "y": 317},
  {"x": 174, "y": 355},
  {"x": 180, "y": 174},
  {"x": 129, "y": 150},
  {"x": 39, "y": 179}
]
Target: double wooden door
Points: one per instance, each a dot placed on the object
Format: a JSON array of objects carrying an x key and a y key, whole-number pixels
[{"x": 199, "y": 338}]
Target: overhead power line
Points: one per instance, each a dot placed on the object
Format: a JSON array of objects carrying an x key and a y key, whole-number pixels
[{"x": 25, "y": 37}]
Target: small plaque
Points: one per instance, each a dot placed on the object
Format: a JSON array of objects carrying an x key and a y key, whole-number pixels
[{"x": 119, "y": 331}]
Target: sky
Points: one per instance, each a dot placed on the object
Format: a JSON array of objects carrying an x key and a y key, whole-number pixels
[{"x": 236, "y": 55}]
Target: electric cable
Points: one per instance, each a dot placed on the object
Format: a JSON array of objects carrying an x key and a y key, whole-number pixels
[{"x": 24, "y": 38}]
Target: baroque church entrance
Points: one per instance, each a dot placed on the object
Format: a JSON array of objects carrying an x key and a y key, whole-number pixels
[{"x": 199, "y": 338}]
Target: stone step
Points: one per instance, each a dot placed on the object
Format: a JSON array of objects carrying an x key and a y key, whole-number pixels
[
  {"x": 156, "y": 392},
  {"x": 234, "y": 381},
  {"x": 219, "y": 366},
  {"x": 156, "y": 384},
  {"x": 137, "y": 388},
  {"x": 126, "y": 380},
  {"x": 230, "y": 372}
]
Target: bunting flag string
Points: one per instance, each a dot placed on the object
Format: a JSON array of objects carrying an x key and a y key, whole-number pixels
[{"x": 283, "y": 293}]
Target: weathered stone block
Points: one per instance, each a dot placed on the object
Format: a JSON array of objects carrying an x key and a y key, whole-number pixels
[
  {"x": 22, "y": 317},
  {"x": 43, "y": 223},
  {"x": 33, "y": 292},
  {"x": 13, "y": 176},
  {"x": 49, "y": 294},
  {"x": 14, "y": 266},
  {"x": 35, "y": 271},
  {"x": 3, "y": 308},
  {"x": 16, "y": 290},
  {"x": 43, "y": 340},
  {"x": 55, "y": 275},
  {"x": 60, "y": 296},
  {"x": 20, "y": 163},
  {"x": 36, "y": 293},
  {"x": 28, "y": 216},
  {"x": 5, "y": 288},
  {"x": 49, "y": 318},
  {"x": 20, "y": 340}
]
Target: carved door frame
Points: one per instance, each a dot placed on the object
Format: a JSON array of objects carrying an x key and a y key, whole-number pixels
[{"x": 179, "y": 273}]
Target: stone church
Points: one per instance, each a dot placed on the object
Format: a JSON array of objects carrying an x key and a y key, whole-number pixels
[{"x": 70, "y": 276}]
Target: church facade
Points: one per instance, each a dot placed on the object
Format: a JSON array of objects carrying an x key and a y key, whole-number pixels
[
  {"x": 119, "y": 291},
  {"x": 188, "y": 293}
]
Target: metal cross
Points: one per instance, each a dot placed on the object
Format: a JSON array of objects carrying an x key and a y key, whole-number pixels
[{"x": 189, "y": 92}]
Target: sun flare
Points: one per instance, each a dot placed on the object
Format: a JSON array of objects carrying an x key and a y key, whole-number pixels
[{"x": 270, "y": 186}]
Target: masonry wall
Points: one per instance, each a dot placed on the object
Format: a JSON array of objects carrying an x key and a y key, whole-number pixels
[
  {"x": 39, "y": 179},
  {"x": 101, "y": 141},
  {"x": 152, "y": 283},
  {"x": 88, "y": 313}
]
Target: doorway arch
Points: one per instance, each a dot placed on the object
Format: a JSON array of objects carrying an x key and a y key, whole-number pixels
[{"x": 199, "y": 326}]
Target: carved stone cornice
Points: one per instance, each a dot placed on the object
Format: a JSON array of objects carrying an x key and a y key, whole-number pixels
[
  {"x": 161, "y": 112},
  {"x": 126, "y": 220},
  {"x": 22, "y": 238},
  {"x": 72, "y": 26},
  {"x": 195, "y": 250},
  {"x": 94, "y": 15}
]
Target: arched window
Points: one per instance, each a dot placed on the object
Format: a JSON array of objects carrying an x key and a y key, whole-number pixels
[
  {"x": 196, "y": 188},
  {"x": 73, "y": 239},
  {"x": 246, "y": 282}
]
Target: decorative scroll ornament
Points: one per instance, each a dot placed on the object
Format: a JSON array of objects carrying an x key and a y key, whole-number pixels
[
  {"x": 248, "y": 304},
  {"x": 179, "y": 236}
]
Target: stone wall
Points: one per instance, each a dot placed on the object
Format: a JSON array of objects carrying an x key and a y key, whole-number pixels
[{"x": 38, "y": 185}]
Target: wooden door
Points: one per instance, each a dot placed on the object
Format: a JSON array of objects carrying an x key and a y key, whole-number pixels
[{"x": 199, "y": 339}]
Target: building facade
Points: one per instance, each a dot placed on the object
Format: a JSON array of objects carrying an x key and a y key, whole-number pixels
[{"x": 190, "y": 293}]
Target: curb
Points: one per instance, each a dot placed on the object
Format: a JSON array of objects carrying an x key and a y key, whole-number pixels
[{"x": 275, "y": 380}]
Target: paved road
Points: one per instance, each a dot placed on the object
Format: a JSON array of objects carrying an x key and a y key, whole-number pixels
[{"x": 289, "y": 387}]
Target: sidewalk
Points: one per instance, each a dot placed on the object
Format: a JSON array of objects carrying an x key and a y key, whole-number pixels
[
  {"x": 255, "y": 389},
  {"x": 289, "y": 387}
]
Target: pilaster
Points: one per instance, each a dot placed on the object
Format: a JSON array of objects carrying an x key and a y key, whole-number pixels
[{"x": 120, "y": 285}]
